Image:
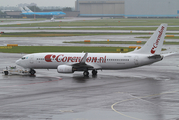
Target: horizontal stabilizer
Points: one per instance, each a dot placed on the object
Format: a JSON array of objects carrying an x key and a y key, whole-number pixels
[
  {"x": 155, "y": 57},
  {"x": 168, "y": 54}
]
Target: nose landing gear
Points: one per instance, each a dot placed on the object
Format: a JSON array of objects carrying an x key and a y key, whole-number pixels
[{"x": 32, "y": 72}]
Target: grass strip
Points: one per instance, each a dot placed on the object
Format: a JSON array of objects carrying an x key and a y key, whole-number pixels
[
  {"x": 66, "y": 34},
  {"x": 39, "y": 49},
  {"x": 175, "y": 37},
  {"x": 104, "y": 22},
  {"x": 118, "y": 42},
  {"x": 61, "y": 34},
  {"x": 106, "y": 42},
  {"x": 105, "y": 28}
]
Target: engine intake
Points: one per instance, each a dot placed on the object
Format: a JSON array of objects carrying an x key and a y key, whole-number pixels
[{"x": 65, "y": 69}]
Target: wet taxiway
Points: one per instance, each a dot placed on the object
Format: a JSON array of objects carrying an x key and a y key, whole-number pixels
[
  {"x": 145, "y": 93},
  {"x": 11, "y": 28},
  {"x": 28, "y": 21},
  {"x": 59, "y": 41},
  {"x": 84, "y": 31}
]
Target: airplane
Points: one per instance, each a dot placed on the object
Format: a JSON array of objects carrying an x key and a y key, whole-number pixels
[
  {"x": 27, "y": 11},
  {"x": 72, "y": 62},
  {"x": 23, "y": 11}
]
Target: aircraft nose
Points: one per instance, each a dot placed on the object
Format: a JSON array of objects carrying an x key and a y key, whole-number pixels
[{"x": 18, "y": 62}]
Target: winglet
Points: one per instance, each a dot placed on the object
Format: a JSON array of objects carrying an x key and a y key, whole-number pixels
[
  {"x": 136, "y": 49},
  {"x": 83, "y": 60}
]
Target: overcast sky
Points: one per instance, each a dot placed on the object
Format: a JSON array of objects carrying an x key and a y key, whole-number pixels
[{"x": 62, "y": 3}]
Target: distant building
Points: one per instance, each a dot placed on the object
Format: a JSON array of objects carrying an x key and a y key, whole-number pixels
[
  {"x": 6, "y": 10},
  {"x": 13, "y": 14},
  {"x": 128, "y": 8}
]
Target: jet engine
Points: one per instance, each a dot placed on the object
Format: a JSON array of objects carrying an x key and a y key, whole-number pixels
[{"x": 65, "y": 69}]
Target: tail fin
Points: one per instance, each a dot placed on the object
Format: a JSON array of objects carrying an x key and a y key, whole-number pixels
[
  {"x": 154, "y": 44},
  {"x": 28, "y": 10},
  {"x": 23, "y": 11}
]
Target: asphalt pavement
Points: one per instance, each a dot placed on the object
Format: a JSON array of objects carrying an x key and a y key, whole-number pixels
[
  {"x": 24, "y": 21},
  {"x": 144, "y": 93}
]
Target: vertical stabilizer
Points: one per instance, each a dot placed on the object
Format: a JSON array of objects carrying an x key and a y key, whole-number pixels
[
  {"x": 154, "y": 44},
  {"x": 28, "y": 10},
  {"x": 23, "y": 11}
]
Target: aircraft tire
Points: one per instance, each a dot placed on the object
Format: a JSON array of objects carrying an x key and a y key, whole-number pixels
[
  {"x": 94, "y": 72},
  {"x": 86, "y": 73},
  {"x": 32, "y": 72},
  {"x": 6, "y": 72}
]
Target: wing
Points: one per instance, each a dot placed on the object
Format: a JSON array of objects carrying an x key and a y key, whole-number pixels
[{"x": 82, "y": 65}]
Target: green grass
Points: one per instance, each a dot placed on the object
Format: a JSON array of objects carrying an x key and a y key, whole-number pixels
[
  {"x": 64, "y": 34},
  {"x": 105, "y": 22},
  {"x": 104, "y": 28},
  {"x": 60, "y": 34},
  {"x": 39, "y": 34},
  {"x": 38, "y": 49},
  {"x": 119, "y": 42},
  {"x": 175, "y": 37},
  {"x": 106, "y": 42},
  {"x": 20, "y": 19}
]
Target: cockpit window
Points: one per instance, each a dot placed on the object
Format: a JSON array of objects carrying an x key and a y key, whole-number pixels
[{"x": 23, "y": 58}]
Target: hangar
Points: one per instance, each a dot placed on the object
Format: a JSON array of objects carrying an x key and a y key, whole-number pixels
[
  {"x": 101, "y": 8},
  {"x": 128, "y": 8}
]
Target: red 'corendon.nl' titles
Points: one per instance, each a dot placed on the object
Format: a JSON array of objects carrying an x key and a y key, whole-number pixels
[
  {"x": 62, "y": 58},
  {"x": 155, "y": 45}
]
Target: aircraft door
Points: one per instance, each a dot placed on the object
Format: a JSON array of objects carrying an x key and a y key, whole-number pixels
[
  {"x": 136, "y": 60},
  {"x": 32, "y": 59}
]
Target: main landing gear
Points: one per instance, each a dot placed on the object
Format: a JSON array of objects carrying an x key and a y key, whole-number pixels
[
  {"x": 32, "y": 72},
  {"x": 86, "y": 73},
  {"x": 94, "y": 72}
]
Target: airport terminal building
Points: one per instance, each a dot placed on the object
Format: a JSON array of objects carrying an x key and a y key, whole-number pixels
[{"x": 128, "y": 8}]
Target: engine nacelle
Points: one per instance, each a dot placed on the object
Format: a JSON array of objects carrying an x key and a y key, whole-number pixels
[{"x": 65, "y": 69}]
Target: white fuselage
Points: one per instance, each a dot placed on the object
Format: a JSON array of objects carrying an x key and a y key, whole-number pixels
[
  {"x": 103, "y": 61},
  {"x": 71, "y": 62}
]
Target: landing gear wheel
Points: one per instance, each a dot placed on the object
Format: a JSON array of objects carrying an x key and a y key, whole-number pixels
[
  {"x": 94, "y": 72},
  {"x": 6, "y": 72},
  {"x": 86, "y": 73},
  {"x": 32, "y": 72}
]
